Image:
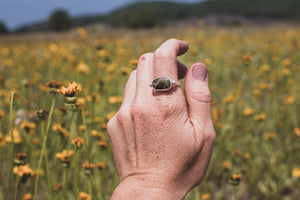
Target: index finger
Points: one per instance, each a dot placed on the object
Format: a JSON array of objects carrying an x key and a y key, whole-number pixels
[{"x": 165, "y": 58}]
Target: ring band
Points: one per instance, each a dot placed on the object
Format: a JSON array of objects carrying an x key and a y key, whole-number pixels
[{"x": 163, "y": 84}]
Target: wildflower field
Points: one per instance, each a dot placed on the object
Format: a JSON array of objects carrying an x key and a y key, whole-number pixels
[{"x": 57, "y": 93}]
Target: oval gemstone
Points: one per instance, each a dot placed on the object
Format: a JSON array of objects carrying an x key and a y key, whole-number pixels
[{"x": 162, "y": 83}]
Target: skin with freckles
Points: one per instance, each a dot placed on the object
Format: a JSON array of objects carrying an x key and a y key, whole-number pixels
[{"x": 161, "y": 146}]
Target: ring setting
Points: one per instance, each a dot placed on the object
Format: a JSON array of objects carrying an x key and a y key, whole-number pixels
[{"x": 163, "y": 84}]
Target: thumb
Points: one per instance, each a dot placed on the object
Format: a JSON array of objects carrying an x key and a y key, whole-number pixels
[{"x": 198, "y": 95}]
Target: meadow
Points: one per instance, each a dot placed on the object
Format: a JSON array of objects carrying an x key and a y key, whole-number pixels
[{"x": 55, "y": 145}]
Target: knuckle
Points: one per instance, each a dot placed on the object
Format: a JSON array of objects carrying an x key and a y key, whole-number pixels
[
  {"x": 203, "y": 96},
  {"x": 138, "y": 111},
  {"x": 211, "y": 136},
  {"x": 111, "y": 125},
  {"x": 123, "y": 117}
]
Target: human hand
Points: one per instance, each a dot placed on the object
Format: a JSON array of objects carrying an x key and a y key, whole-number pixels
[{"x": 162, "y": 141}]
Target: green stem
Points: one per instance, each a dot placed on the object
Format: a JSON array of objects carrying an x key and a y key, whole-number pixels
[
  {"x": 85, "y": 128},
  {"x": 233, "y": 193},
  {"x": 90, "y": 186},
  {"x": 45, "y": 136},
  {"x": 17, "y": 184},
  {"x": 74, "y": 135},
  {"x": 65, "y": 182},
  {"x": 12, "y": 139}
]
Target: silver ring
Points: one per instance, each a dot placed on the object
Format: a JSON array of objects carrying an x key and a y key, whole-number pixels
[{"x": 163, "y": 84}]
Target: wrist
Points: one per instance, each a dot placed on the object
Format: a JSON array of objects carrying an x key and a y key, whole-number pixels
[{"x": 141, "y": 188}]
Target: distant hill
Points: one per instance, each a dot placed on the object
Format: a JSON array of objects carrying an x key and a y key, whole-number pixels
[{"x": 150, "y": 14}]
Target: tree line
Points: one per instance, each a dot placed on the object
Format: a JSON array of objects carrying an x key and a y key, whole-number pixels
[{"x": 153, "y": 14}]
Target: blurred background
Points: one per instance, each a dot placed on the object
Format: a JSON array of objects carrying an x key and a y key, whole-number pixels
[
  {"x": 33, "y": 15},
  {"x": 56, "y": 147}
]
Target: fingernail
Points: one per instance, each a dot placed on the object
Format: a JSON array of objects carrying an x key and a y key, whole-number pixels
[{"x": 200, "y": 73}]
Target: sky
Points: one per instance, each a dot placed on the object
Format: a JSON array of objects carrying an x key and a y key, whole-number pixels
[{"x": 15, "y": 13}]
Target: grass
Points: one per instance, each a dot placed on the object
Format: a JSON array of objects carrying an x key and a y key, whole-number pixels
[{"x": 254, "y": 79}]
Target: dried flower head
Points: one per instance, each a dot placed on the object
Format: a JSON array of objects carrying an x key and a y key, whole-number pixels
[
  {"x": 64, "y": 156},
  {"x": 235, "y": 179},
  {"x": 63, "y": 109},
  {"x": 88, "y": 165},
  {"x": 57, "y": 187},
  {"x": 71, "y": 91},
  {"x": 78, "y": 141},
  {"x": 20, "y": 158},
  {"x": 23, "y": 171},
  {"x": 53, "y": 84},
  {"x": 28, "y": 126},
  {"x": 61, "y": 131},
  {"x": 42, "y": 114},
  {"x": 100, "y": 165},
  {"x": 102, "y": 144}
]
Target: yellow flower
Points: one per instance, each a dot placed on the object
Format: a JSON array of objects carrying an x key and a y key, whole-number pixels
[
  {"x": 286, "y": 72},
  {"x": 296, "y": 173},
  {"x": 16, "y": 136},
  {"x": 23, "y": 171},
  {"x": 88, "y": 165},
  {"x": 287, "y": 62},
  {"x": 290, "y": 99},
  {"x": 82, "y": 32},
  {"x": 28, "y": 126},
  {"x": 260, "y": 117},
  {"x": 264, "y": 68},
  {"x": 214, "y": 114},
  {"x": 110, "y": 115},
  {"x": 53, "y": 47},
  {"x": 297, "y": 131},
  {"x": 235, "y": 179},
  {"x": 82, "y": 68},
  {"x": 247, "y": 156},
  {"x": 257, "y": 93},
  {"x": 97, "y": 134},
  {"x": 100, "y": 165},
  {"x": 230, "y": 97},
  {"x": 102, "y": 144},
  {"x": 247, "y": 58},
  {"x": 64, "y": 156},
  {"x": 205, "y": 196},
  {"x": 248, "y": 111},
  {"x": 264, "y": 86},
  {"x": 226, "y": 164},
  {"x": 78, "y": 141},
  {"x": 207, "y": 61},
  {"x": 115, "y": 99},
  {"x": 84, "y": 196},
  {"x": 62, "y": 131},
  {"x": 134, "y": 62},
  {"x": 1, "y": 115},
  {"x": 271, "y": 136},
  {"x": 27, "y": 197}
]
